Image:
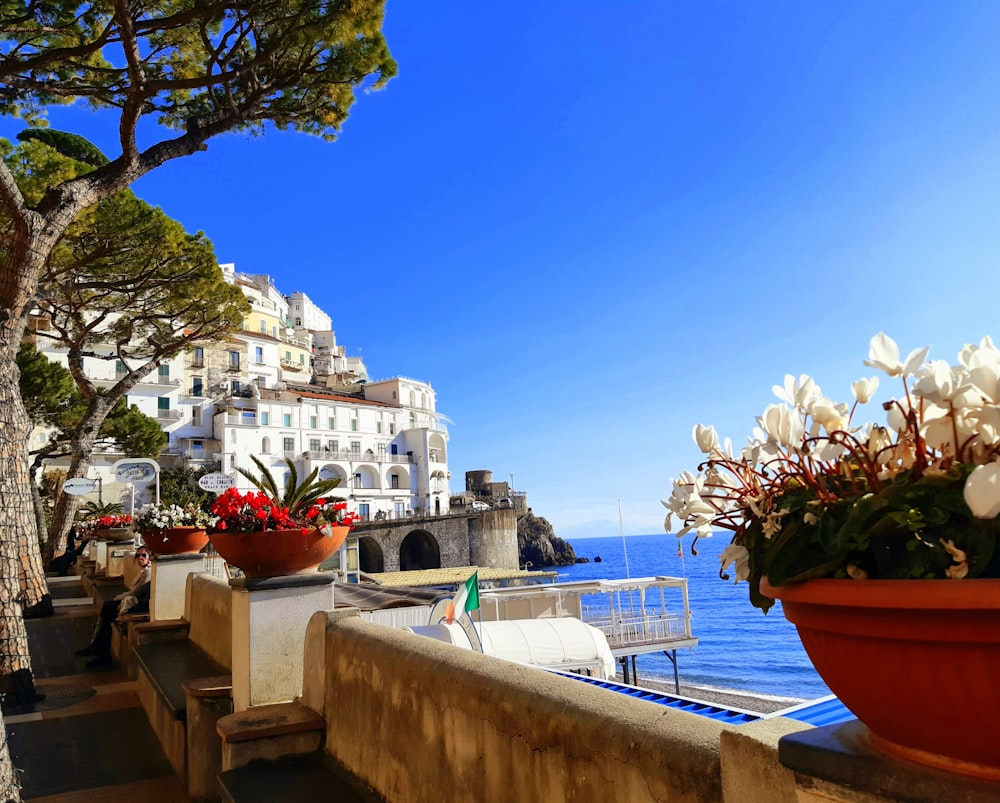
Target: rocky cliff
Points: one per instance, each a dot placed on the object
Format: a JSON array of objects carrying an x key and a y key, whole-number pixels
[{"x": 538, "y": 544}]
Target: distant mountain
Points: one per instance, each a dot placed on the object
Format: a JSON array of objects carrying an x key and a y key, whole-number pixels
[{"x": 538, "y": 544}]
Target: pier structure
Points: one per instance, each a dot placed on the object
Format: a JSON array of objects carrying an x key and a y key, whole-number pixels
[{"x": 632, "y": 613}]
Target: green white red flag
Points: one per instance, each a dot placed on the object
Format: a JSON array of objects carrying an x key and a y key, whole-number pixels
[{"x": 466, "y": 599}]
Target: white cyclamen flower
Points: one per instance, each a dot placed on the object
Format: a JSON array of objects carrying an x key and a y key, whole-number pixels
[
  {"x": 883, "y": 353},
  {"x": 782, "y": 425},
  {"x": 864, "y": 389},
  {"x": 739, "y": 557},
  {"x": 706, "y": 438},
  {"x": 982, "y": 491}
]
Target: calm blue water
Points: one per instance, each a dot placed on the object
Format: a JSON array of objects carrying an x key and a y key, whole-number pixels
[{"x": 739, "y": 647}]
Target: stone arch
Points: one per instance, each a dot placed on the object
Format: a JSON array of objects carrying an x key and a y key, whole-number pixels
[
  {"x": 370, "y": 558},
  {"x": 419, "y": 550}
]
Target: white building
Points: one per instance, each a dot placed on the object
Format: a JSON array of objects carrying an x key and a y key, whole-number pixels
[{"x": 282, "y": 388}]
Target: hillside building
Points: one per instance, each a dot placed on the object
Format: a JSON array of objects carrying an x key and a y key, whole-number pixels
[{"x": 282, "y": 388}]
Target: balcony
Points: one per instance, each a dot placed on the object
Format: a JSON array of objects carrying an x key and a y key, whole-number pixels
[
  {"x": 242, "y": 420},
  {"x": 356, "y": 457},
  {"x": 292, "y": 365},
  {"x": 168, "y": 415}
]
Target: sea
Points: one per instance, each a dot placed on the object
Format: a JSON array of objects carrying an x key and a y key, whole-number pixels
[{"x": 739, "y": 648}]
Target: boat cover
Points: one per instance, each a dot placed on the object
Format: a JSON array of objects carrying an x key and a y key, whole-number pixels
[{"x": 563, "y": 643}]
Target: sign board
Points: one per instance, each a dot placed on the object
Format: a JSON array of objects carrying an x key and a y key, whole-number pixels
[
  {"x": 328, "y": 473},
  {"x": 217, "y": 482},
  {"x": 79, "y": 486},
  {"x": 135, "y": 470}
]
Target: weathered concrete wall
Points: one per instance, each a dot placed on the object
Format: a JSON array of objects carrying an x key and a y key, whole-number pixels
[
  {"x": 423, "y": 721},
  {"x": 476, "y": 539},
  {"x": 209, "y": 608}
]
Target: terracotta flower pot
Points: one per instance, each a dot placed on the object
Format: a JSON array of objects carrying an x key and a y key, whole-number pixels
[
  {"x": 175, "y": 540},
  {"x": 112, "y": 533},
  {"x": 915, "y": 660},
  {"x": 277, "y": 552}
]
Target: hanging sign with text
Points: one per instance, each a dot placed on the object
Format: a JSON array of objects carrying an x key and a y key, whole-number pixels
[
  {"x": 216, "y": 482},
  {"x": 136, "y": 470},
  {"x": 79, "y": 486}
]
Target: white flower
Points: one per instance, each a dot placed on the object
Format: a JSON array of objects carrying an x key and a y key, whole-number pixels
[
  {"x": 940, "y": 383},
  {"x": 706, "y": 438},
  {"x": 783, "y": 425},
  {"x": 739, "y": 557},
  {"x": 798, "y": 393},
  {"x": 831, "y": 416},
  {"x": 864, "y": 389},
  {"x": 982, "y": 491},
  {"x": 883, "y": 353}
]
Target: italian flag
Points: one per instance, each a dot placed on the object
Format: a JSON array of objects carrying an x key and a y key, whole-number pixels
[{"x": 467, "y": 599}]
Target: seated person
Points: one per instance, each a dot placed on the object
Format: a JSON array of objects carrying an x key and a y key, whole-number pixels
[
  {"x": 135, "y": 599},
  {"x": 61, "y": 563}
]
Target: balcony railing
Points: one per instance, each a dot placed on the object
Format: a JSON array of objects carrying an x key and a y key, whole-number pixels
[
  {"x": 241, "y": 420},
  {"x": 168, "y": 415},
  {"x": 639, "y": 630},
  {"x": 356, "y": 457}
]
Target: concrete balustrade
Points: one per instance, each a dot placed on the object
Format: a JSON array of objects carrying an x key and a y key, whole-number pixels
[{"x": 169, "y": 584}]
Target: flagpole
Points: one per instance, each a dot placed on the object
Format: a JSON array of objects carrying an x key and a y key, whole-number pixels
[{"x": 621, "y": 526}]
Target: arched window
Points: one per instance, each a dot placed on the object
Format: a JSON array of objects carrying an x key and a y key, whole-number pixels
[{"x": 265, "y": 446}]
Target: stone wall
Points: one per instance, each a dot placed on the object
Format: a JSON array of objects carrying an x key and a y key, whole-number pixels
[
  {"x": 422, "y": 721},
  {"x": 474, "y": 539}
]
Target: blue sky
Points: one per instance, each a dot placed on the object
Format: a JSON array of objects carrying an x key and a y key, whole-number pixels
[{"x": 592, "y": 226}]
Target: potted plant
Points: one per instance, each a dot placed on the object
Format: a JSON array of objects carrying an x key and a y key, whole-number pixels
[
  {"x": 110, "y": 527},
  {"x": 279, "y": 530},
  {"x": 170, "y": 529},
  {"x": 881, "y": 541}
]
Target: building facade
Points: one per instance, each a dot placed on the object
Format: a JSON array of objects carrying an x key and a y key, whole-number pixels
[{"x": 282, "y": 389}]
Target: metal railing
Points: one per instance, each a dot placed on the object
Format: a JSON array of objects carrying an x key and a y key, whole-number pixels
[
  {"x": 649, "y": 628},
  {"x": 356, "y": 457}
]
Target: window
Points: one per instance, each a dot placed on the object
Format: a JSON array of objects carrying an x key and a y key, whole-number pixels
[
  {"x": 234, "y": 360},
  {"x": 363, "y": 510},
  {"x": 332, "y": 446},
  {"x": 302, "y": 359},
  {"x": 331, "y": 423},
  {"x": 265, "y": 419},
  {"x": 354, "y": 425},
  {"x": 258, "y": 354},
  {"x": 288, "y": 356},
  {"x": 248, "y": 417},
  {"x": 163, "y": 404},
  {"x": 286, "y": 420},
  {"x": 298, "y": 322},
  {"x": 400, "y": 509},
  {"x": 392, "y": 427},
  {"x": 197, "y": 446},
  {"x": 357, "y": 481},
  {"x": 315, "y": 445},
  {"x": 313, "y": 422},
  {"x": 232, "y": 436},
  {"x": 234, "y": 387},
  {"x": 196, "y": 415},
  {"x": 356, "y": 447},
  {"x": 274, "y": 331},
  {"x": 196, "y": 386},
  {"x": 198, "y": 360},
  {"x": 120, "y": 367},
  {"x": 394, "y": 481},
  {"x": 265, "y": 446},
  {"x": 163, "y": 371},
  {"x": 288, "y": 444},
  {"x": 378, "y": 427},
  {"x": 263, "y": 326}
]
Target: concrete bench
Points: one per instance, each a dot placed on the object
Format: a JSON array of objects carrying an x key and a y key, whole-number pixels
[
  {"x": 312, "y": 777},
  {"x": 183, "y": 677}
]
